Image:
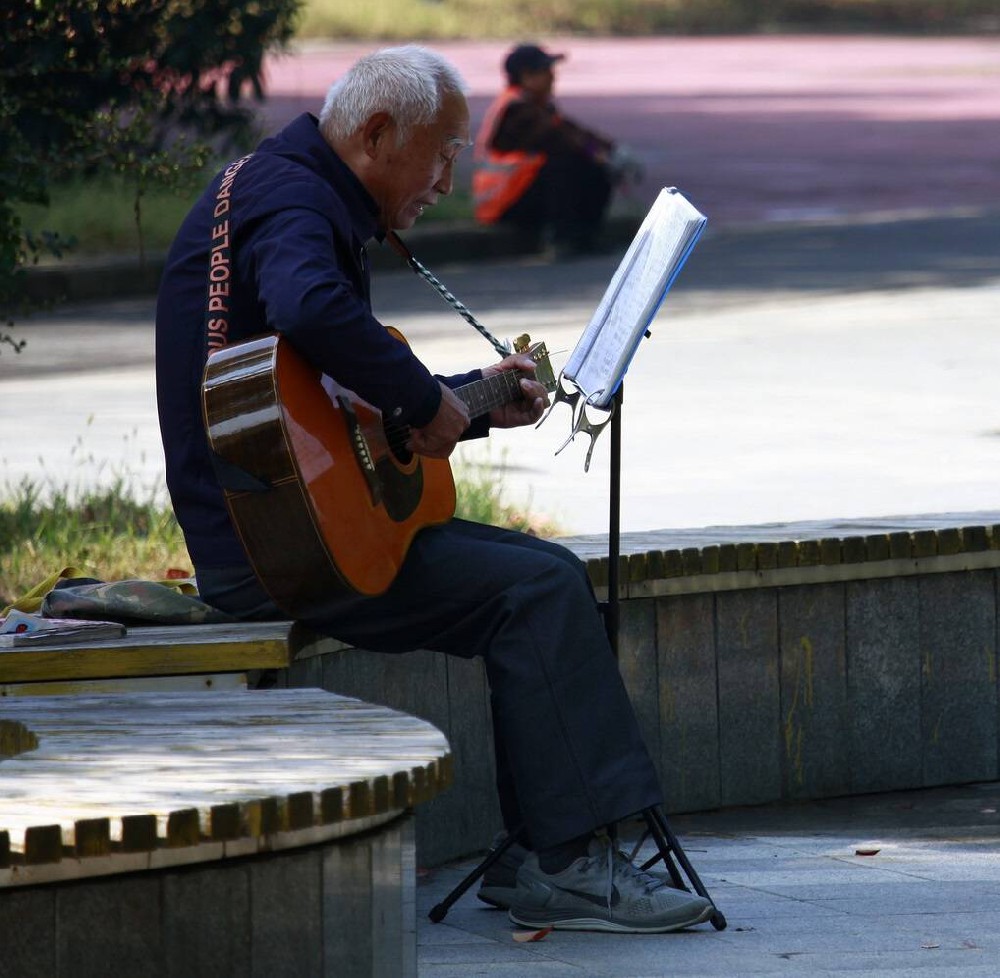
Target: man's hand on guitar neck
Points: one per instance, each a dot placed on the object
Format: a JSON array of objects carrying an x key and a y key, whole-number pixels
[
  {"x": 534, "y": 399},
  {"x": 438, "y": 438}
]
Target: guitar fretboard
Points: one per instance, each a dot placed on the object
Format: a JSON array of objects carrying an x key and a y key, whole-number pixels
[{"x": 484, "y": 395}]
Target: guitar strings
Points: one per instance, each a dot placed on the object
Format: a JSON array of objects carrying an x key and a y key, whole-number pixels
[{"x": 397, "y": 435}]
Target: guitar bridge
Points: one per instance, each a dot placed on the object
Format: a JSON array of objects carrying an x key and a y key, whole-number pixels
[{"x": 362, "y": 453}]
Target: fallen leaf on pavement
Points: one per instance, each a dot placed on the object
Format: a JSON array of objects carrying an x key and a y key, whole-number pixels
[{"x": 527, "y": 936}]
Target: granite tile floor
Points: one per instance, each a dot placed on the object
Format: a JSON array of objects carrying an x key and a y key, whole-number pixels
[{"x": 799, "y": 898}]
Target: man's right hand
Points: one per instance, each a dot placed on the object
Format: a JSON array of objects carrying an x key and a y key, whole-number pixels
[{"x": 438, "y": 438}]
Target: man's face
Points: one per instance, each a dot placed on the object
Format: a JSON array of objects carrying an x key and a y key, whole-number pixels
[
  {"x": 538, "y": 83},
  {"x": 411, "y": 176}
]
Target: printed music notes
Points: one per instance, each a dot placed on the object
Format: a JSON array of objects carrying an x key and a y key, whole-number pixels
[{"x": 598, "y": 363}]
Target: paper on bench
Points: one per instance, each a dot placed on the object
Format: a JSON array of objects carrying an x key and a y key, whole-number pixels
[
  {"x": 20, "y": 629},
  {"x": 662, "y": 244}
]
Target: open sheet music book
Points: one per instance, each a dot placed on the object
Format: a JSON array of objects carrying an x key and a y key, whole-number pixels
[{"x": 662, "y": 244}]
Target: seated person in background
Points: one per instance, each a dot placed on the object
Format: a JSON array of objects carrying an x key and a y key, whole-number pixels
[
  {"x": 537, "y": 170},
  {"x": 297, "y": 216}
]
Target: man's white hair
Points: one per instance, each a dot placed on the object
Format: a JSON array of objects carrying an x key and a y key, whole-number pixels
[{"x": 409, "y": 83}]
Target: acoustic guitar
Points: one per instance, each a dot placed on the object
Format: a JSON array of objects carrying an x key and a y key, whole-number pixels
[{"x": 320, "y": 487}]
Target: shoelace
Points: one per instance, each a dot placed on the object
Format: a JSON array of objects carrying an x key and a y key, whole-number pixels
[
  {"x": 650, "y": 883},
  {"x": 609, "y": 856}
]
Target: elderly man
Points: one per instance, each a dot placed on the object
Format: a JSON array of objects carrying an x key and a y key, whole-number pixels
[{"x": 292, "y": 222}]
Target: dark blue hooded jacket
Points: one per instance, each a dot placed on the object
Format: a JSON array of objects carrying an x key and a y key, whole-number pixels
[{"x": 298, "y": 223}]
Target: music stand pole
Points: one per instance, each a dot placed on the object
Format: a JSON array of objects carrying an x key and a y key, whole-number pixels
[{"x": 612, "y": 610}]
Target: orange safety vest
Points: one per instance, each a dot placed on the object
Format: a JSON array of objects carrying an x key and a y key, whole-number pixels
[{"x": 499, "y": 180}]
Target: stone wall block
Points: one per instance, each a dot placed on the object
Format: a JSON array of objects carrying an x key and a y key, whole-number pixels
[
  {"x": 958, "y": 659},
  {"x": 355, "y": 673},
  {"x": 206, "y": 921},
  {"x": 286, "y": 915},
  {"x": 750, "y": 745},
  {"x": 468, "y": 812},
  {"x": 110, "y": 926},
  {"x": 368, "y": 920},
  {"x": 686, "y": 690},
  {"x": 28, "y": 933},
  {"x": 304, "y": 673},
  {"x": 883, "y": 684},
  {"x": 637, "y": 662},
  {"x": 813, "y": 691}
]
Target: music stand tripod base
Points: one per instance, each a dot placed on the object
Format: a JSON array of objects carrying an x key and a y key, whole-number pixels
[{"x": 668, "y": 850}]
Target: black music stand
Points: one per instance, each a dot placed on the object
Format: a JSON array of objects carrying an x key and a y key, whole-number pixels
[{"x": 669, "y": 850}]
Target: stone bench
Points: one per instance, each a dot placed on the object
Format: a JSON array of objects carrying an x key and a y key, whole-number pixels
[
  {"x": 789, "y": 661},
  {"x": 765, "y": 663},
  {"x": 223, "y": 833}
]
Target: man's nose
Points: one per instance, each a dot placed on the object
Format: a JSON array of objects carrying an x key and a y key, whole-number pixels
[{"x": 445, "y": 181}]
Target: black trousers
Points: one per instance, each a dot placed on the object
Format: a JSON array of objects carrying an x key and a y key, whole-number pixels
[
  {"x": 568, "y": 199},
  {"x": 569, "y": 753}
]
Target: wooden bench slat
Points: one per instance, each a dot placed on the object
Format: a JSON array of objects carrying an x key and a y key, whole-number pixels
[
  {"x": 161, "y": 650},
  {"x": 139, "y": 772}
]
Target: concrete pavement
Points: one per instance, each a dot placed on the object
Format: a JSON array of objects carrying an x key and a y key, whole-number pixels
[
  {"x": 799, "y": 897},
  {"x": 794, "y": 373}
]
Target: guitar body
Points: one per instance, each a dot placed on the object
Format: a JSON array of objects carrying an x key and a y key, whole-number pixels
[{"x": 334, "y": 507}]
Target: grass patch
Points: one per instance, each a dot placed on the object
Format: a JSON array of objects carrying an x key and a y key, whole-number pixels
[
  {"x": 497, "y": 19},
  {"x": 98, "y": 216},
  {"x": 480, "y": 497},
  {"x": 407, "y": 20},
  {"x": 115, "y": 534},
  {"x": 104, "y": 533}
]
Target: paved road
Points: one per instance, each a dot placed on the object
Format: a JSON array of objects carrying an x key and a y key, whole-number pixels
[
  {"x": 794, "y": 373},
  {"x": 757, "y": 128}
]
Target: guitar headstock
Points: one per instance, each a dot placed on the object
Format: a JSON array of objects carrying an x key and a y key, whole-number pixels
[{"x": 540, "y": 357}]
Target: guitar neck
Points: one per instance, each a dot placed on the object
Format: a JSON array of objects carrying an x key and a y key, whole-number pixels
[{"x": 482, "y": 396}]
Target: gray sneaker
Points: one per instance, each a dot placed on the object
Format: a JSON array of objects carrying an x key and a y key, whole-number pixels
[
  {"x": 603, "y": 891},
  {"x": 499, "y": 882}
]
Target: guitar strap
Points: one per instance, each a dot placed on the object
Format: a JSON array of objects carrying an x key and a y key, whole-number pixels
[
  {"x": 218, "y": 304},
  {"x": 438, "y": 286}
]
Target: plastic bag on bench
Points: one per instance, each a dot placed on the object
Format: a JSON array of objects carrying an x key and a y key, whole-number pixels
[{"x": 130, "y": 602}]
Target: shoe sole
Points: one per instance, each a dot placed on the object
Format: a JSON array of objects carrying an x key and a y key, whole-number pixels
[{"x": 598, "y": 923}]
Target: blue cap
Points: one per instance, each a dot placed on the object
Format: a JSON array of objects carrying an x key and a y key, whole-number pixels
[{"x": 528, "y": 57}]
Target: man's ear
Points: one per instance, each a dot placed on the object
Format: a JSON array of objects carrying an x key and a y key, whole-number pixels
[{"x": 377, "y": 133}]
